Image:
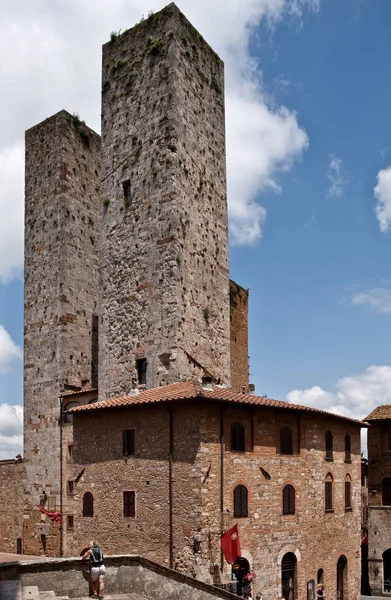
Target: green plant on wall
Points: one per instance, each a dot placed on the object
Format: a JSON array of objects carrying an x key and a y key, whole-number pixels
[{"x": 155, "y": 46}]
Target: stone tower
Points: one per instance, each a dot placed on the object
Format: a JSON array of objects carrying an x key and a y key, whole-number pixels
[
  {"x": 164, "y": 303},
  {"x": 61, "y": 289}
]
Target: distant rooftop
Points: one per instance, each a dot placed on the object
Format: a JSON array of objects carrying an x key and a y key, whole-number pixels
[
  {"x": 380, "y": 412},
  {"x": 194, "y": 390}
]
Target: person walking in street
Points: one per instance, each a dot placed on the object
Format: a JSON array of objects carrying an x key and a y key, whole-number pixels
[{"x": 98, "y": 570}]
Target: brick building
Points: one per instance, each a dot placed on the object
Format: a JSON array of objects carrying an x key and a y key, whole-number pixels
[
  {"x": 379, "y": 500},
  {"x": 127, "y": 295},
  {"x": 174, "y": 466}
]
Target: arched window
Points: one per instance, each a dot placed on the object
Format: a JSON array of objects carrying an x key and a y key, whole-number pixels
[
  {"x": 68, "y": 417},
  {"x": 237, "y": 438},
  {"x": 328, "y": 496},
  {"x": 348, "y": 450},
  {"x": 348, "y": 493},
  {"x": 329, "y": 445},
  {"x": 386, "y": 491},
  {"x": 88, "y": 505},
  {"x": 288, "y": 500},
  {"x": 319, "y": 576},
  {"x": 286, "y": 445},
  {"x": 240, "y": 501}
]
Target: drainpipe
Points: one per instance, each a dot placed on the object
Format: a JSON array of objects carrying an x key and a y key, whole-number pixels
[
  {"x": 170, "y": 494},
  {"x": 62, "y": 517},
  {"x": 221, "y": 478}
]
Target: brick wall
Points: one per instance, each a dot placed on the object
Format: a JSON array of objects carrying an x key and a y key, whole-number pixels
[
  {"x": 164, "y": 248},
  {"x": 11, "y": 504},
  {"x": 317, "y": 538}
]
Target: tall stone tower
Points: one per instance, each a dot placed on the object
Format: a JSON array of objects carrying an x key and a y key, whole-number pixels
[
  {"x": 164, "y": 241},
  {"x": 61, "y": 288}
]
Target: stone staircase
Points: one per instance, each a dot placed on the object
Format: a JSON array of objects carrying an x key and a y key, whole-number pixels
[{"x": 11, "y": 590}]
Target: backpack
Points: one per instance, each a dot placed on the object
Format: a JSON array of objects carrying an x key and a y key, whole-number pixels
[{"x": 96, "y": 555}]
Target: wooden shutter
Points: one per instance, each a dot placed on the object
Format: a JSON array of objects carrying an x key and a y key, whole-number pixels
[
  {"x": 129, "y": 504},
  {"x": 348, "y": 497},
  {"x": 329, "y": 495}
]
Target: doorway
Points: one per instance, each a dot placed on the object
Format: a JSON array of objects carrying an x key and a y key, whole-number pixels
[
  {"x": 240, "y": 568},
  {"x": 288, "y": 576},
  {"x": 341, "y": 577},
  {"x": 387, "y": 570}
]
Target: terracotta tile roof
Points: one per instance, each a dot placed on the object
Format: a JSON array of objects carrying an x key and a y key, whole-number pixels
[
  {"x": 191, "y": 389},
  {"x": 380, "y": 412},
  {"x": 77, "y": 392}
]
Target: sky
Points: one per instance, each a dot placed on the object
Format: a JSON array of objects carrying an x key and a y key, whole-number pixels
[{"x": 308, "y": 96}]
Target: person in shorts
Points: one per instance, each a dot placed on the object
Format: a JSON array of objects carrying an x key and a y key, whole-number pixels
[{"x": 98, "y": 570}]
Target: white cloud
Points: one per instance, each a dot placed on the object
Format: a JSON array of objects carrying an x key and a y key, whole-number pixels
[
  {"x": 9, "y": 351},
  {"x": 11, "y": 431},
  {"x": 356, "y": 396},
  {"x": 51, "y": 59},
  {"x": 382, "y": 193},
  {"x": 379, "y": 299},
  {"x": 336, "y": 177}
]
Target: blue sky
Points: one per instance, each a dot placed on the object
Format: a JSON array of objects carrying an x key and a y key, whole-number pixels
[{"x": 308, "y": 96}]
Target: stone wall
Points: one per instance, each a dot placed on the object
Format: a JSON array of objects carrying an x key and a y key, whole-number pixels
[
  {"x": 143, "y": 577},
  {"x": 61, "y": 291},
  {"x": 379, "y": 540},
  {"x": 238, "y": 300},
  {"x": 164, "y": 242},
  {"x": 197, "y": 495},
  {"x": 11, "y": 504}
]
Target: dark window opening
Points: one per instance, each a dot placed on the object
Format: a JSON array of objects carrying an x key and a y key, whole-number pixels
[
  {"x": 240, "y": 501},
  {"x": 237, "y": 438},
  {"x": 288, "y": 500},
  {"x": 319, "y": 576},
  {"x": 329, "y": 445},
  {"x": 70, "y": 522},
  {"x": 127, "y": 191},
  {"x": 348, "y": 495},
  {"x": 286, "y": 441},
  {"x": 329, "y": 495},
  {"x": 348, "y": 453},
  {"x": 386, "y": 491},
  {"x": 141, "y": 364},
  {"x": 128, "y": 442},
  {"x": 70, "y": 450},
  {"x": 88, "y": 505},
  {"x": 71, "y": 486},
  {"x": 129, "y": 504}
]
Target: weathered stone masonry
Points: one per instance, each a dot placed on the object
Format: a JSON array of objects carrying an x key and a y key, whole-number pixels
[
  {"x": 61, "y": 291},
  {"x": 164, "y": 239}
]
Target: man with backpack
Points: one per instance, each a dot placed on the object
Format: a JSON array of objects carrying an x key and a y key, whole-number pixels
[{"x": 98, "y": 570}]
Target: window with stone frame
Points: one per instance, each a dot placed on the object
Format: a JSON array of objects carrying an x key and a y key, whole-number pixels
[
  {"x": 348, "y": 449},
  {"x": 286, "y": 440},
  {"x": 329, "y": 493},
  {"x": 329, "y": 446},
  {"x": 237, "y": 438},
  {"x": 240, "y": 501},
  {"x": 128, "y": 442},
  {"x": 288, "y": 500},
  {"x": 348, "y": 493},
  {"x": 141, "y": 366},
  {"x": 129, "y": 501},
  {"x": 88, "y": 505}
]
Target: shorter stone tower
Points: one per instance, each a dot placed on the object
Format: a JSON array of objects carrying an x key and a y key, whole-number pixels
[
  {"x": 164, "y": 296},
  {"x": 60, "y": 295}
]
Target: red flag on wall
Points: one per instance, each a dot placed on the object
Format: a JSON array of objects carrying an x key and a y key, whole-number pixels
[
  {"x": 230, "y": 544},
  {"x": 54, "y": 516}
]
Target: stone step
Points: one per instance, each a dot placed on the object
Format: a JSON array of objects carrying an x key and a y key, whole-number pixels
[
  {"x": 30, "y": 592},
  {"x": 44, "y": 595}
]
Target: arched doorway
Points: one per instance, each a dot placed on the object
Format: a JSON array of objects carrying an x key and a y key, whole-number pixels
[
  {"x": 288, "y": 576},
  {"x": 341, "y": 577},
  {"x": 387, "y": 570},
  {"x": 386, "y": 491},
  {"x": 240, "y": 568}
]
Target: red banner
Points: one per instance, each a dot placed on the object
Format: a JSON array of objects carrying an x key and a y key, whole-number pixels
[
  {"x": 54, "y": 516},
  {"x": 230, "y": 545}
]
